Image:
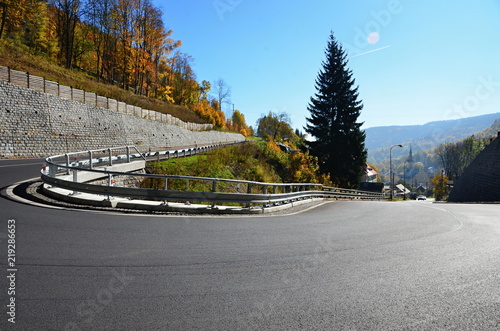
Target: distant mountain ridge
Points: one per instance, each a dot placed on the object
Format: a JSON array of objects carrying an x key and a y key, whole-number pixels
[{"x": 423, "y": 136}]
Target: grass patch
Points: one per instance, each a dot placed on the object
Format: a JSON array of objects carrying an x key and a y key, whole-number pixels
[{"x": 257, "y": 161}]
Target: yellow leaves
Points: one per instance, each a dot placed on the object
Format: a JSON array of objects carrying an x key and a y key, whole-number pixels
[
  {"x": 209, "y": 114},
  {"x": 238, "y": 123},
  {"x": 21, "y": 13},
  {"x": 272, "y": 146},
  {"x": 304, "y": 168},
  {"x": 165, "y": 93},
  {"x": 440, "y": 186}
]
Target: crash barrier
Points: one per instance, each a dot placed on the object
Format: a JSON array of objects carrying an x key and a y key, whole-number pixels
[{"x": 76, "y": 171}]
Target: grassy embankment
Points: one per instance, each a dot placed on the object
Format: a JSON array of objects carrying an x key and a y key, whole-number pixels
[
  {"x": 20, "y": 59},
  {"x": 258, "y": 161}
]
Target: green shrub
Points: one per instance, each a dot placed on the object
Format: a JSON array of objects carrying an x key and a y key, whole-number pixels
[{"x": 259, "y": 161}]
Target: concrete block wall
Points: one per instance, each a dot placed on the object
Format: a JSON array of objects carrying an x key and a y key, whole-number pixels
[
  {"x": 40, "y": 84},
  {"x": 36, "y": 124},
  {"x": 480, "y": 182}
]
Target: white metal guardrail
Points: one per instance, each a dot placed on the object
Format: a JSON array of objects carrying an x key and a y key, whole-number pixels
[{"x": 76, "y": 171}]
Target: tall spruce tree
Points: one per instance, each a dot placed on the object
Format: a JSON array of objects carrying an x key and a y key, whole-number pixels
[{"x": 334, "y": 110}]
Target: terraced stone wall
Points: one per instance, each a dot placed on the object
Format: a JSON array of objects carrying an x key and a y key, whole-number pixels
[{"x": 36, "y": 124}]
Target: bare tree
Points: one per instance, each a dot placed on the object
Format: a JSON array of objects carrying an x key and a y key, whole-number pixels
[
  {"x": 449, "y": 155},
  {"x": 222, "y": 92},
  {"x": 455, "y": 157},
  {"x": 98, "y": 14},
  {"x": 69, "y": 12}
]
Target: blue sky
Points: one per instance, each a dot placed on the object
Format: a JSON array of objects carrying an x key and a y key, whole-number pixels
[{"x": 414, "y": 61}]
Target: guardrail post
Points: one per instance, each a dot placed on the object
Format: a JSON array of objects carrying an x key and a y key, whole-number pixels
[
  {"x": 187, "y": 189},
  {"x": 165, "y": 202},
  {"x": 128, "y": 154},
  {"x": 67, "y": 163},
  {"x": 249, "y": 191},
  {"x": 52, "y": 169},
  {"x": 75, "y": 180},
  {"x": 111, "y": 182},
  {"x": 214, "y": 189},
  {"x": 90, "y": 159},
  {"x": 110, "y": 153}
]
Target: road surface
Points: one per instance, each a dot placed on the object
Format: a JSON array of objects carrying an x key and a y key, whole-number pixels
[{"x": 339, "y": 266}]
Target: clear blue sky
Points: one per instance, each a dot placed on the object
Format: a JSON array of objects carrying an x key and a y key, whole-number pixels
[{"x": 414, "y": 61}]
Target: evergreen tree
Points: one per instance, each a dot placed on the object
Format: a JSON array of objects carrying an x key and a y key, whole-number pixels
[{"x": 334, "y": 110}]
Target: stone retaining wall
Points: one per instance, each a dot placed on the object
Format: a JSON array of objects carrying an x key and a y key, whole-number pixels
[
  {"x": 40, "y": 84},
  {"x": 36, "y": 124}
]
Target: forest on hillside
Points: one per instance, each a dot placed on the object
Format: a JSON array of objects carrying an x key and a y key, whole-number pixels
[
  {"x": 417, "y": 167},
  {"x": 120, "y": 42}
]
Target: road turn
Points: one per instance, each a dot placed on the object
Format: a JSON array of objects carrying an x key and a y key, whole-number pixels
[{"x": 339, "y": 266}]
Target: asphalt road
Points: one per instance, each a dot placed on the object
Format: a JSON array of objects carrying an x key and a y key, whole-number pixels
[{"x": 339, "y": 266}]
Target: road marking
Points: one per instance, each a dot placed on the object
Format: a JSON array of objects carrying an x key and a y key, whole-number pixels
[
  {"x": 456, "y": 218},
  {"x": 450, "y": 213},
  {"x": 9, "y": 191},
  {"x": 21, "y": 164}
]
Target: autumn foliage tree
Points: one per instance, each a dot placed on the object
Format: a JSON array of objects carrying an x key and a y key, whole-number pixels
[
  {"x": 238, "y": 124},
  {"x": 122, "y": 42},
  {"x": 28, "y": 22},
  {"x": 210, "y": 114},
  {"x": 276, "y": 127},
  {"x": 440, "y": 182},
  {"x": 119, "y": 41}
]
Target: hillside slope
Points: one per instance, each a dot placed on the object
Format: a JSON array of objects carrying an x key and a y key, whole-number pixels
[
  {"x": 421, "y": 137},
  {"x": 41, "y": 66}
]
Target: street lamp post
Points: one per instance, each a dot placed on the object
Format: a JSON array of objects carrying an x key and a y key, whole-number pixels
[
  {"x": 404, "y": 179},
  {"x": 391, "y": 179}
]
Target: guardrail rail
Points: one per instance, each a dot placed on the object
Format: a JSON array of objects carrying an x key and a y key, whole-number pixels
[{"x": 76, "y": 171}]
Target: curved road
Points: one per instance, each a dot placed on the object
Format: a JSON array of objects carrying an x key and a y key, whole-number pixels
[{"x": 338, "y": 266}]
